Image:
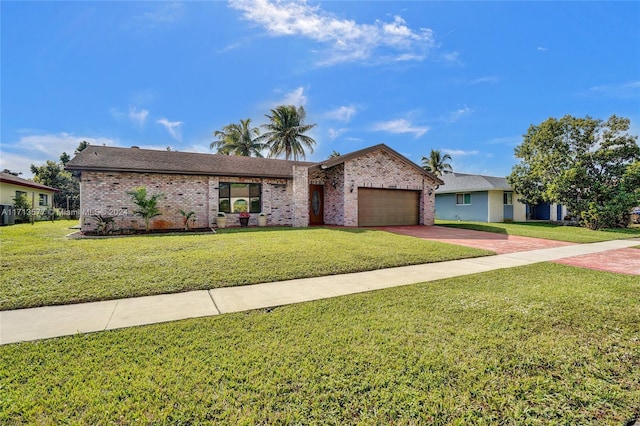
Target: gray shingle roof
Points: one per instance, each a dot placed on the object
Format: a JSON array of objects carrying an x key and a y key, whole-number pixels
[
  {"x": 107, "y": 158},
  {"x": 460, "y": 182},
  {"x": 9, "y": 178}
]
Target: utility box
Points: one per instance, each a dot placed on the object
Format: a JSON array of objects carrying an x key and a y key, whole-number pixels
[{"x": 7, "y": 216}]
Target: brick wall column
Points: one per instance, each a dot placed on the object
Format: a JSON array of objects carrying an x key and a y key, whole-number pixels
[
  {"x": 300, "y": 196},
  {"x": 428, "y": 207}
]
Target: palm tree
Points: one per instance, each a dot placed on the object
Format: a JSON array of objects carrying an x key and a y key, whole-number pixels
[
  {"x": 285, "y": 134},
  {"x": 437, "y": 163},
  {"x": 238, "y": 139}
]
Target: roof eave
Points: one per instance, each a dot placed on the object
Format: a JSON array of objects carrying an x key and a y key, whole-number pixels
[
  {"x": 34, "y": 185},
  {"x": 175, "y": 172}
]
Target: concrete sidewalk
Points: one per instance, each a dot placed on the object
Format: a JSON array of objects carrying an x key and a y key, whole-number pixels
[{"x": 53, "y": 321}]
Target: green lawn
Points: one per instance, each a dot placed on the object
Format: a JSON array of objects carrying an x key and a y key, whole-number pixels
[
  {"x": 549, "y": 231},
  {"x": 535, "y": 345},
  {"x": 40, "y": 266}
]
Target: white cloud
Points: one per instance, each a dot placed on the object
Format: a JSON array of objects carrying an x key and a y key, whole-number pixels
[
  {"x": 541, "y": 49},
  {"x": 459, "y": 152},
  {"x": 144, "y": 96},
  {"x": 335, "y": 133},
  {"x": 400, "y": 126},
  {"x": 506, "y": 140},
  {"x": 343, "y": 113},
  {"x": 296, "y": 98},
  {"x": 451, "y": 58},
  {"x": 173, "y": 127},
  {"x": 37, "y": 149},
  {"x": 459, "y": 113},
  {"x": 198, "y": 147},
  {"x": 345, "y": 40},
  {"x": 487, "y": 79},
  {"x": 165, "y": 13},
  {"x": 138, "y": 117},
  {"x": 630, "y": 89}
]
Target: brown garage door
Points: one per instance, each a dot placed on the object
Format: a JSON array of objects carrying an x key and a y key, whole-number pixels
[{"x": 387, "y": 207}]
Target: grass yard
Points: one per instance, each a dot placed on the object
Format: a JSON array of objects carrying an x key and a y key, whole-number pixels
[
  {"x": 535, "y": 345},
  {"x": 41, "y": 267},
  {"x": 548, "y": 231}
]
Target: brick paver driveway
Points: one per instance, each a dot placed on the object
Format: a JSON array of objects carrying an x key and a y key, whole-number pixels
[
  {"x": 500, "y": 243},
  {"x": 625, "y": 261}
]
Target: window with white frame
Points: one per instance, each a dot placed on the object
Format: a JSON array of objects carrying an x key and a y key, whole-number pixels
[
  {"x": 507, "y": 198},
  {"x": 463, "y": 199},
  {"x": 43, "y": 200}
]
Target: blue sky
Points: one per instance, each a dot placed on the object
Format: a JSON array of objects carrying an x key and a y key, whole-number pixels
[{"x": 468, "y": 78}]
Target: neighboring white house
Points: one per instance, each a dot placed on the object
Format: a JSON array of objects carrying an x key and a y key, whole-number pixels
[{"x": 478, "y": 198}]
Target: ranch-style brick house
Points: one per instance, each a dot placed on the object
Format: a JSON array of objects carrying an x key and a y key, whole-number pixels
[{"x": 375, "y": 186}]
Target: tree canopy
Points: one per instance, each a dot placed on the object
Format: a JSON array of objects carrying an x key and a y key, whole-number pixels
[
  {"x": 437, "y": 163},
  {"x": 54, "y": 175},
  {"x": 238, "y": 139},
  {"x": 285, "y": 134},
  {"x": 589, "y": 165}
]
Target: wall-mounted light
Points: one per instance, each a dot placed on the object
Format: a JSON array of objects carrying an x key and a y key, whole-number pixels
[
  {"x": 334, "y": 182},
  {"x": 352, "y": 187},
  {"x": 430, "y": 192}
]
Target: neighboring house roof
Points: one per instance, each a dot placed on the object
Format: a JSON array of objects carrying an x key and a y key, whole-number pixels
[
  {"x": 380, "y": 147},
  {"x": 15, "y": 180},
  {"x": 460, "y": 182},
  {"x": 107, "y": 158}
]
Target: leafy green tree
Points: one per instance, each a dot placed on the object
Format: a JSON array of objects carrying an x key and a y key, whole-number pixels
[
  {"x": 334, "y": 154},
  {"x": 64, "y": 158},
  {"x": 147, "y": 205},
  {"x": 587, "y": 164},
  {"x": 437, "y": 163},
  {"x": 286, "y": 133},
  {"x": 54, "y": 175},
  {"x": 81, "y": 147},
  {"x": 22, "y": 208},
  {"x": 238, "y": 139}
]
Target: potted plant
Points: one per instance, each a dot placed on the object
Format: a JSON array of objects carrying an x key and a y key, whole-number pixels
[
  {"x": 262, "y": 219},
  {"x": 244, "y": 219},
  {"x": 221, "y": 220}
]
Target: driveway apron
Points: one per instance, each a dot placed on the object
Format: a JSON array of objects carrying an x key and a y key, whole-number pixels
[
  {"x": 622, "y": 261},
  {"x": 499, "y": 243}
]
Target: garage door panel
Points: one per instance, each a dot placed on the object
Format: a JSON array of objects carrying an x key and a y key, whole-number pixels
[{"x": 387, "y": 207}]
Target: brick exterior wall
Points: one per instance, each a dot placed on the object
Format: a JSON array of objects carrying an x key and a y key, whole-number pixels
[
  {"x": 379, "y": 169},
  {"x": 285, "y": 201},
  {"x": 300, "y": 196},
  {"x": 334, "y": 197},
  {"x": 106, "y": 193}
]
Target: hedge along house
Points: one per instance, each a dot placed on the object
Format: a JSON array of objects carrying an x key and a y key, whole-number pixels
[
  {"x": 371, "y": 187},
  {"x": 39, "y": 197}
]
